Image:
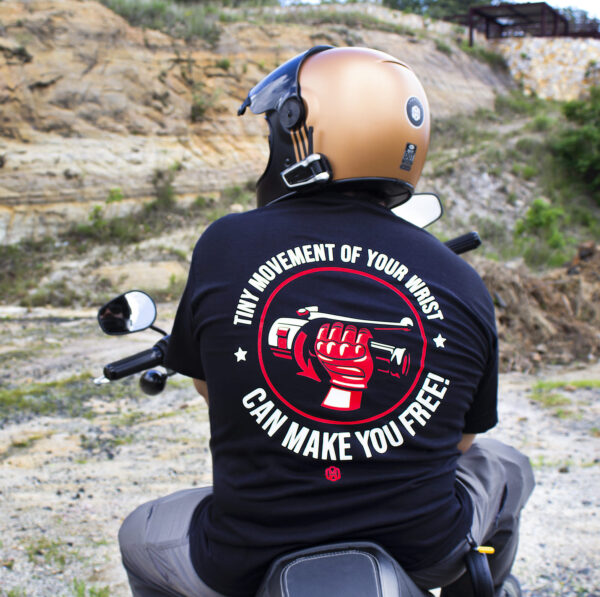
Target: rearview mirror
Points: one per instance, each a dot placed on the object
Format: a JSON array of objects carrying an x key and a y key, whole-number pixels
[
  {"x": 131, "y": 312},
  {"x": 422, "y": 209}
]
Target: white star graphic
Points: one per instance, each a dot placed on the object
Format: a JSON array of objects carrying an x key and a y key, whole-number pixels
[
  {"x": 240, "y": 355},
  {"x": 439, "y": 341}
]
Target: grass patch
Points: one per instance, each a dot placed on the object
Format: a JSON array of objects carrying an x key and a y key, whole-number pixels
[
  {"x": 443, "y": 47},
  {"x": 65, "y": 397},
  {"x": 42, "y": 550},
  {"x": 202, "y": 102},
  {"x": 549, "y": 399},
  {"x": 80, "y": 589},
  {"x": 27, "y": 442},
  {"x": 173, "y": 291},
  {"x": 23, "y": 265},
  {"x": 492, "y": 59},
  {"x": 184, "y": 20},
  {"x": 545, "y": 393},
  {"x": 516, "y": 103},
  {"x": 540, "y": 235},
  {"x": 589, "y": 384},
  {"x": 462, "y": 132},
  {"x": 351, "y": 19},
  {"x": 577, "y": 146}
]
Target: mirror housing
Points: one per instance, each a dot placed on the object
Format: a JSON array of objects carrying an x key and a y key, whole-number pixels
[
  {"x": 422, "y": 209},
  {"x": 127, "y": 313}
]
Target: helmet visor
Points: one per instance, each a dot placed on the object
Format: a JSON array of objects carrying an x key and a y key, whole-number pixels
[{"x": 277, "y": 86}]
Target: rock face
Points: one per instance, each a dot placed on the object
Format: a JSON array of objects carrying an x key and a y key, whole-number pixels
[
  {"x": 560, "y": 68},
  {"x": 89, "y": 104}
]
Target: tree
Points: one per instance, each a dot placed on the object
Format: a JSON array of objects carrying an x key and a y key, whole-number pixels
[
  {"x": 580, "y": 20},
  {"x": 438, "y": 9}
]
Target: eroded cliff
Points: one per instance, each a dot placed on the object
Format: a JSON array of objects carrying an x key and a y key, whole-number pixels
[{"x": 89, "y": 104}]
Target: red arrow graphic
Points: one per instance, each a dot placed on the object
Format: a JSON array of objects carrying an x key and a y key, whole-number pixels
[{"x": 306, "y": 367}]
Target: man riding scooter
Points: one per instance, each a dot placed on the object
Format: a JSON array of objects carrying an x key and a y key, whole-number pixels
[{"x": 348, "y": 357}]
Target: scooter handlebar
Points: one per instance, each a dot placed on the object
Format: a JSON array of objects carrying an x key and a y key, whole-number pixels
[
  {"x": 137, "y": 362},
  {"x": 465, "y": 242}
]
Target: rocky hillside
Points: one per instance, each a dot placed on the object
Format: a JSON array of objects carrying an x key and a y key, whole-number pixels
[{"x": 89, "y": 103}]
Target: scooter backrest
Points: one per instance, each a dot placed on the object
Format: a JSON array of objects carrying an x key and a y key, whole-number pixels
[{"x": 340, "y": 570}]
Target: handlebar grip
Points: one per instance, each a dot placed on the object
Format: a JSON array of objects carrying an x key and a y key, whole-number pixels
[
  {"x": 135, "y": 363},
  {"x": 464, "y": 243}
]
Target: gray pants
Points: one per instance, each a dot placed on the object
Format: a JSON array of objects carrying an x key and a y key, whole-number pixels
[{"x": 155, "y": 545}]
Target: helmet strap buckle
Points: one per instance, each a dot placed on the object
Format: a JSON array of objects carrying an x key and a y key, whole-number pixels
[{"x": 313, "y": 169}]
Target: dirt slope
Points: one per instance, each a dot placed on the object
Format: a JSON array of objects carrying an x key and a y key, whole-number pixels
[{"x": 89, "y": 104}]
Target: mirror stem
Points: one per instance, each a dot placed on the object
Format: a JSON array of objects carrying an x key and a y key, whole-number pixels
[{"x": 157, "y": 329}]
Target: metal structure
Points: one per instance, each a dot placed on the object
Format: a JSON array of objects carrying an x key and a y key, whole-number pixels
[{"x": 516, "y": 20}]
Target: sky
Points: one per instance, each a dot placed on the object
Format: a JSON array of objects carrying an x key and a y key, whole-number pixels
[{"x": 592, "y": 7}]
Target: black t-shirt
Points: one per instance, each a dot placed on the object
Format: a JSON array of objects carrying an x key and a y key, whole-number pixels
[{"x": 345, "y": 353}]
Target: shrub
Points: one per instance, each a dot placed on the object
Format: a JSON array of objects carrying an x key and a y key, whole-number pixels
[
  {"x": 493, "y": 59},
  {"x": 115, "y": 195},
  {"x": 516, "y": 103},
  {"x": 540, "y": 235},
  {"x": 577, "y": 148},
  {"x": 187, "y": 21},
  {"x": 224, "y": 64},
  {"x": 541, "y": 123},
  {"x": 162, "y": 181},
  {"x": 443, "y": 47}
]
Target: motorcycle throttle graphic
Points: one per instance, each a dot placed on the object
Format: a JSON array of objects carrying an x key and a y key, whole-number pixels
[{"x": 348, "y": 353}]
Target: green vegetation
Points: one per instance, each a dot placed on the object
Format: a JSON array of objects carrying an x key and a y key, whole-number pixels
[
  {"x": 44, "y": 550},
  {"x": 172, "y": 292},
  {"x": 162, "y": 181},
  {"x": 552, "y": 227},
  {"x": 351, "y": 19},
  {"x": 461, "y": 131},
  {"x": 191, "y": 21},
  {"x": 589, "y": 384},
  {"x": 23, "y": 265},
  {"x": 67, "y": 397},
  {"x": 545, "y": 394},
  {"x": 493, "y": 59},
  {"x": 438, "y": 9},
  {"x": 443, "y": 47},
  {"x": 224, "y": 63},
  {"x": 115, "y": 195},
  {"x": 516, "y": 103},
  {"x": 187, "y": 20},
  {"x": 577, "y": 147},
  {"x": 540, "y": 234},
  {"x": 202, "y": 102},
  {"x": 81, "y": 590}
]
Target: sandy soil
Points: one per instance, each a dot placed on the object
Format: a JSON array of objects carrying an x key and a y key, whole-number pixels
[{"x": 68, "y": 479}]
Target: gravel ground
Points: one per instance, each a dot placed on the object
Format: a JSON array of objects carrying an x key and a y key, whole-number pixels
[{"x": 68, "y": 477}]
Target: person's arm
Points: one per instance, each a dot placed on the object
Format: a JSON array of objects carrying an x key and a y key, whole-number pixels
[
  {"x": 463, "y": 445},
  {"x": 201, "y": 388}
]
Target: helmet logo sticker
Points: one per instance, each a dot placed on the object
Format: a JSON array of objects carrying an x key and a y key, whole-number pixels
[
  {"x": 415, "y": 111},
  {"x": 409, "y": 156}
]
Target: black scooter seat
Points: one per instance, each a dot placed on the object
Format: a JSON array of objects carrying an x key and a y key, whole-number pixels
[{"x": 359, "y": 569}]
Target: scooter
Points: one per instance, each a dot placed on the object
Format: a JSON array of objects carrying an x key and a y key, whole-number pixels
[{"x": 356, "y": 569}]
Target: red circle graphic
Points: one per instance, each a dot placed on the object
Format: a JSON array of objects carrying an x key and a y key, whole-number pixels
[{"x": 357, "y": 273}]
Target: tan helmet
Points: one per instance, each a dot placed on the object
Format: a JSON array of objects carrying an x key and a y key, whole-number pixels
[{"x": 354, "y": 117}]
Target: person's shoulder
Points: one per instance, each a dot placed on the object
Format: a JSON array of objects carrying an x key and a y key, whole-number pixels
[{"x": 222, "y": 229}]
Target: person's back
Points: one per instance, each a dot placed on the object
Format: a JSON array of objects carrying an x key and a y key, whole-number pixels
[
  {"x": 348, "y": 357},
  {"x": 342, "y": 348}
]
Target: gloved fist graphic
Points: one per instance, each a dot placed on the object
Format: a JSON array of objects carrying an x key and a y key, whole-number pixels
[{"x": 344, "y": 353}]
